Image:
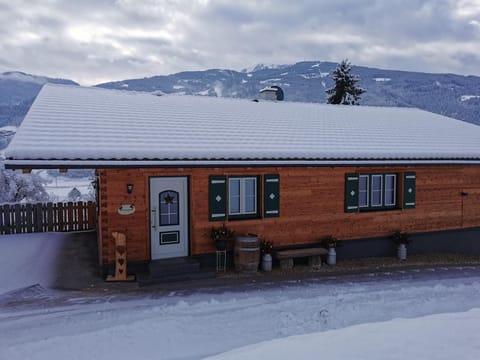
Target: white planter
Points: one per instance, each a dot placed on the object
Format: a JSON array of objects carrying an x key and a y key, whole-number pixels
[
  {"x": 402, "y": 252},
  {"x": 267, "y": 262},
  {"x": 332, "y": 256}
]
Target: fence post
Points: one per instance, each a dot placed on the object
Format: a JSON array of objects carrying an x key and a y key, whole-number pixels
[
  {"x": 38, "y": 218},
  {"x": 49, "y": 217},
  {"x": 80, "y": 217},
  {"x": 2, "y": 226},
  {"x": 17, "y": 219},
  {"x": 61, "y": 217},
  {"x": 70, "y": 216},
  {"x": 92, "y": 215},
  {"x": 29, "y": 216}
]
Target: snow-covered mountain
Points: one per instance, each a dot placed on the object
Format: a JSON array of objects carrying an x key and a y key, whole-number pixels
[
  {"x": 447, "y": 94},
  {"x": 17, "y": 92}
]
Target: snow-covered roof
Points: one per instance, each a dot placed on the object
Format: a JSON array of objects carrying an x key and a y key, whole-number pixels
[{"x": 81, "y": 126}]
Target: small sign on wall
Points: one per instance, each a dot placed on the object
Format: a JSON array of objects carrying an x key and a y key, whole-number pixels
[{"x": 126, "y": 209}]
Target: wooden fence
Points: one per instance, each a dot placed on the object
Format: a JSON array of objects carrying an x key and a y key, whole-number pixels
[{"x": 28, "y": 218}]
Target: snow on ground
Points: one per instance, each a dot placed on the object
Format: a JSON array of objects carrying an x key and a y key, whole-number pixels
[
  {"x": 382, "y": 79},
  {"x": 26, "y": 260},
  {"x": 450, "y": 336},
  {"x": 8, "y": 128},
  {"x": 419, "y": 314},
  {"x": 469, "y": 97}
]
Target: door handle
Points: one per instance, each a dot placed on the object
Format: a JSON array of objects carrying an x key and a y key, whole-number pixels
[{"x": 154, "y": 214}]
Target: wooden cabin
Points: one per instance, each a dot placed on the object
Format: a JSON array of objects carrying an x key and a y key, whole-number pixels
[{"x": 171, "y": 167}]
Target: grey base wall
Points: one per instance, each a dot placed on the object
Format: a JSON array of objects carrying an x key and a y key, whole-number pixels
[{"x": 464, "y": 241}]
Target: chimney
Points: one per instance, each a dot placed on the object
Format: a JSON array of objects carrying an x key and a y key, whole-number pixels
[{"x": 272, "y": 93}]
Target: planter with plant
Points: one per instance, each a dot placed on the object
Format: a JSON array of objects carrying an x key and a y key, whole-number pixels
[
  {"x": 331, "y": 243},
  {"x": 267, "y": 248},
  {"x": 222, "y": 236},
  {"x": 401, "y": 239}
]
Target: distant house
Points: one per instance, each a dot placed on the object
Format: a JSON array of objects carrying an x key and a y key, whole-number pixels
[{"x": 171, "y": 167}]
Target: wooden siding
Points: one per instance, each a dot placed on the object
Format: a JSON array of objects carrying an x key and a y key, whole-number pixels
[{"x": 312, "y": 205}]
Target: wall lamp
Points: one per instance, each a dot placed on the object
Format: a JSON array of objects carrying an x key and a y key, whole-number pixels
[{"x": 129, "y": 188}]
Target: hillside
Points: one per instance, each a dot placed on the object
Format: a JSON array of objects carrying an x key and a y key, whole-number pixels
[
  {"x": 17, "y": 92},
  {"x": 447, "y": 94}
]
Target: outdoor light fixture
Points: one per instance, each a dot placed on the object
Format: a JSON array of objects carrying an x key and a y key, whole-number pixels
[{"x": 129, "y": 188}]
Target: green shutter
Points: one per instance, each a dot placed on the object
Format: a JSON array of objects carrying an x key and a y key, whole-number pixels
[
  {"x": 217, "y": 198},
  {"x": 409, "y": 184},
  {"x": 271, "y": 197},
  {"x": 351, "y": 192}
]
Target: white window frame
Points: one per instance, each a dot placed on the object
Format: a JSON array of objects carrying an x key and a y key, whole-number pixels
[
  {"x": 380, "y": 176},
  {"x": 394, "y": 176},
  {"x": 367, "y": 191},
  {"x": 243, "y": 195}
]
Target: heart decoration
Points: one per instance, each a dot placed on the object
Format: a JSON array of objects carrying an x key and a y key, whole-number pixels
[
  {"x": 121, "y": 261},
  {"x": 120, "y": 271}
]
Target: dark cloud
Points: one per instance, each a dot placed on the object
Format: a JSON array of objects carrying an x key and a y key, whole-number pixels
[{"x": 99, "y": 40}]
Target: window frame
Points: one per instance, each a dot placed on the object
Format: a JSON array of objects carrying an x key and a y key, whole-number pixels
[
  {"x": 395, "y": 190},
  {"x": 169, "y": 213},
  {"x": 375, "y": 190},
  {"x": 383, "y": 205},
  {"x": 243, "y": 213},
  {"x": 367, "y": 191}
]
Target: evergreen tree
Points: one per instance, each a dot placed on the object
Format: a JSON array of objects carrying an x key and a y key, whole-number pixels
[{"x": 345, "y": 91}]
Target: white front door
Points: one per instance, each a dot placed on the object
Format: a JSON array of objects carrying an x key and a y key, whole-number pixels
[{"x": 168, "y": 217}]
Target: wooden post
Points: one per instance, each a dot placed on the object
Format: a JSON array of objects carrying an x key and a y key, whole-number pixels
[
  {"x": 5, "y": 228},
  {"x": 17, "y": 215},
  {"x": 80, "y": 217},
  {"x": 2, "y": 230},
  {"x": 6, "y": 214},
  {"x": 92, "y": 215},
  {"x": 61, "y": 217},
  {"x": 38, "y": 217},
  {"x": 70, "y": 216},
  {"x": 49, "y": 217},
  {"x": 120, "y": 259},
  {"x": 29, "y": 217}
]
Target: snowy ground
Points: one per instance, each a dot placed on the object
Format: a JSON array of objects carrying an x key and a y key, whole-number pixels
[{"x": 428, "y": 313}]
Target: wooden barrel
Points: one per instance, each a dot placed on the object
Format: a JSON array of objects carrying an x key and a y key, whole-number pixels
[{"x": 246, "y": 253}]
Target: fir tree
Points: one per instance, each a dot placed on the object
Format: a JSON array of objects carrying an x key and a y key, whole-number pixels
[{"x": 345, "y": 91}]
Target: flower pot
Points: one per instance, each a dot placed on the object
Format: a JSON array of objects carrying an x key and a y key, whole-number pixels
[
  {"x": 402, "y": 252},
  {"x": 332, "y": 256},
  {"x": 267, "y": 262}
]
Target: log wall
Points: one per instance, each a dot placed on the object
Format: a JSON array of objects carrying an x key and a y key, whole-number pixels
[{"x": 311, "y": 205}]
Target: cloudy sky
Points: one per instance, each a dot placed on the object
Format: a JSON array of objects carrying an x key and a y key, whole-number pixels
[{"x": 93, "y": 41}]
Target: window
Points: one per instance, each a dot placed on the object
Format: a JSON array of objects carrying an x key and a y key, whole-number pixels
[
  {"x": 168, "y": 208},
  {"x": 363, "y": 191},
  {"x": 377, "y": 186},
  {"x": 239, "y": 197},
  {"x": 242, "y": 196},
  {"x": 368, "y": 192},
  {"x": 390, "y": 190},
  {"x": 377, "y": 191}
]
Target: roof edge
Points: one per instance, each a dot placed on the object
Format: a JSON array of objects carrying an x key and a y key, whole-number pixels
[{"x": 97, "y": 164}]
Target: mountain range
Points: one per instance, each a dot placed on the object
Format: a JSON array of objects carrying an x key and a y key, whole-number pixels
[{"x": 452, "y": 95}]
